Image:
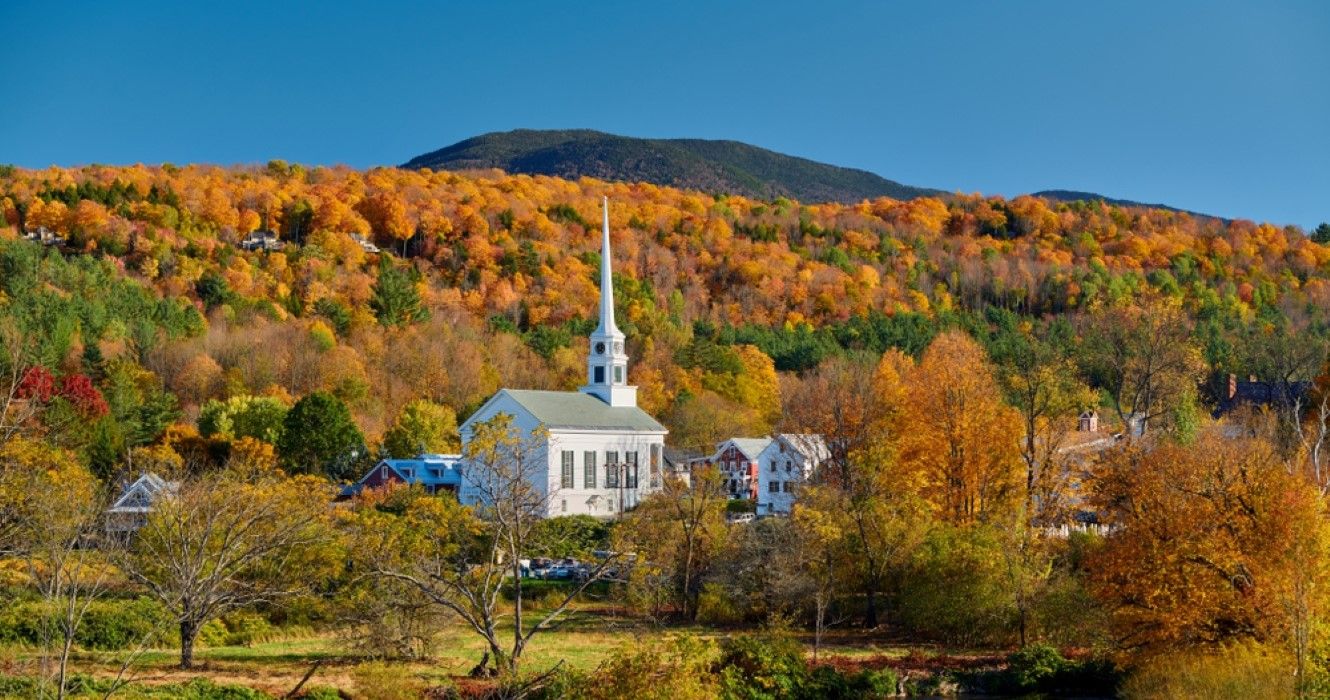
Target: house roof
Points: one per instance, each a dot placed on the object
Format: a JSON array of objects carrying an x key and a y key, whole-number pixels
[
  {"x": 813, "y": 447},
  {"x": 575, "y": 410},
  {"x": 1262, "y": 393},
  {"x": 681, "y": 457},
  {"x": 147, "y": 486},
  {"x": 426, "y": 470},
  {"x": 750, "y": 447}
]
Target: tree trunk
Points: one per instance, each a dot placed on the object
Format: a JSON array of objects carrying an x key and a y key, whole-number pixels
[
  {"x": 870, "y": 614},
  {"x": 189, "y": 630}
]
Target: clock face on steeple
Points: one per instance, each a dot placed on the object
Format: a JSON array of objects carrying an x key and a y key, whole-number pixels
[{"x": 600, "y": 348}]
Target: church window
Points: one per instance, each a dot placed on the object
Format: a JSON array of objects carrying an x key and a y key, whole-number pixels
[
  {"x": 567, "y": 477},
  {"x": 589, "y": 470},
  {"x": 618, "y": 374},
  {"x": 599, "y": 373},
  {"x": 773, "y": 487},
  {"x": 789, "y": 486},
  {"x": 611, "y": 470},
  {"x": 630, "y": 459},
  {"x": 565, "y": 505}
]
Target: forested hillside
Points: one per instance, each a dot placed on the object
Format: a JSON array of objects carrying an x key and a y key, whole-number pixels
[{"x": 491, "y": 282}]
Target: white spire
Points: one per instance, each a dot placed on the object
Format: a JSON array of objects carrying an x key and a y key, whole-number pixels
[
  {"x": 607, "y": 326},
  {"x": 607, "y": 362}
]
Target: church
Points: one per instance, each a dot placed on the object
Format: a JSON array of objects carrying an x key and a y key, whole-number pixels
[{"x": 602, "y": 453}]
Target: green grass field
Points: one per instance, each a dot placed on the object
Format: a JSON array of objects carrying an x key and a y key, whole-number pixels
[{"x": 580, "y": 640}]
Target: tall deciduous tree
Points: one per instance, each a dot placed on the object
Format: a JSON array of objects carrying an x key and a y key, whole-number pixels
[
  {"x": 852, "y": 405},
  {"x": 957, "y": 440},
  {"x": 422, "y": 427},
  {"x": 50, "y": 518},
  {"x": 1143, "y": 356},
  {"x": 676, "y": 535},
  {"x": 1041, "y": 382},
  {"x": 1210, "y": 544},
  {"x": 231, "y": 539}
]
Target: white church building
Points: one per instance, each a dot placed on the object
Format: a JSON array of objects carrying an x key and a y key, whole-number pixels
[{"x": 602, "y": 453}]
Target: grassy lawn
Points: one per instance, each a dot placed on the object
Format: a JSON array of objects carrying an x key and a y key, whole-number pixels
[{"x": 582, "y": 639}]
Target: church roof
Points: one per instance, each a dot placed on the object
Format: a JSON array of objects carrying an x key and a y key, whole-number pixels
[{"x": 574, "y": 410}]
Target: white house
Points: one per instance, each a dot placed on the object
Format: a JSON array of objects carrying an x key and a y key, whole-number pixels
[
  {"x": 130, "y": 510},
  {"x": 787, "y": 461},
  {"x": 601, "y": 452}
]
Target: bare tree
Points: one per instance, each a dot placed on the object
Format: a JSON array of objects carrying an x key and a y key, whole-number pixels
[
  {"x": 232, "y": 539},
  {"x": 464, "y": 559},
  {"x": 1143, "y": 355},
  {"x": 676, "y": 533},
  {"x": 1041, "y": 383},
  {"x": 53, "y": 512},
  {"x": 841, "y": 403},
  {"x": 17, "y": 349}
]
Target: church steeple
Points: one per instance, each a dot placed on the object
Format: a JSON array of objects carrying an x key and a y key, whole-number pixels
[
  {"x": 607, "y": 363},
  {"x": 606, "y": 325}
]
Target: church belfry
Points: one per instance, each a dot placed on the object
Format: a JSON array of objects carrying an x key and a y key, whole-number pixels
[{"x": 607, "y": 362}]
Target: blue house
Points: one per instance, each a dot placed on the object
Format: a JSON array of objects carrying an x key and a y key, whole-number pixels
[{"x": 436, "y": 473}]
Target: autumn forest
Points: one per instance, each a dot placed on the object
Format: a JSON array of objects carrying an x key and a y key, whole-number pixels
[{"x": 950, "y": 348}]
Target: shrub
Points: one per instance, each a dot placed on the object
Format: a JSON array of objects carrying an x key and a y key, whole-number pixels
[
  {"x": 108, "y": 625},
  {"x": 244, "y": 627},
  {"x": 381, "y": 681},
  {"x": 1033, "y": 667},
  {"x": 955, "y": 590},
  {"x": 753, "y": 668},
  {"x": 1241, "y": 671},
  {"x": 831, "y": 683},
  {"x": 115, "y": 624},
  {"x": 674, "y": 669},
  {"x": 320, "y": 692},
  {"x": 716, "y": 607}
]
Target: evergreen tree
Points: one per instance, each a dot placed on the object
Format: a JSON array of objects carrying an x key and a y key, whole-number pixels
[
  {"x": 318, "y": 436},
  {"x": 396, "y": 301},
  {"x": 1322, "y": 233}
]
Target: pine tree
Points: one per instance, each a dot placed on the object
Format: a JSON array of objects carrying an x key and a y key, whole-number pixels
[{"x": 396, "y": 301}]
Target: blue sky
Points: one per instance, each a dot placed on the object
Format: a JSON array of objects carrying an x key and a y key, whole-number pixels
[{"x": 1218, "y": 106}]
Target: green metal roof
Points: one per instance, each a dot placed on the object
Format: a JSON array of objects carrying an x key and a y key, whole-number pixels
[{"x": 575, "y": 410}]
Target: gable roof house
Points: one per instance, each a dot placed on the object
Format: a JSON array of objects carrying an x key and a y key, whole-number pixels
[
  {"x": 1260, "y": 394},
  {"x": 436, "y": 473},
  {"x": 787, "y": 462},
  {"x": 737, "y": 459},
  {"x": 599, "y": 452},
  {"x": 130, "y": 510}
]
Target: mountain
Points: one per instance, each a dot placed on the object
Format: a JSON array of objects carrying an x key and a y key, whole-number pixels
[{"x": 712, "y": 166}]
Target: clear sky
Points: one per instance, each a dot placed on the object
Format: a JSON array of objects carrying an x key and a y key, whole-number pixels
[{"x": 1221, "y": 106}]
